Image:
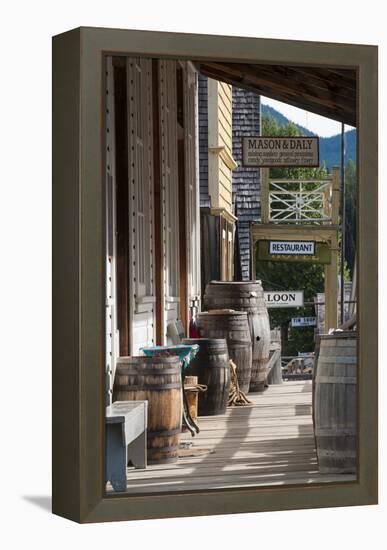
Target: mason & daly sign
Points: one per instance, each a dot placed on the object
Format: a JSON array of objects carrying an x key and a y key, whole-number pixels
[{"x": 272, "y": 151}]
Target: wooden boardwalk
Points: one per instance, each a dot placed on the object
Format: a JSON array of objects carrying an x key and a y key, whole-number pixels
[{"x": 270, "y": 442}]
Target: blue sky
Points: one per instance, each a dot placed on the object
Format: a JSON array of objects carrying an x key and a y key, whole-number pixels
[{"x": 324, "y": 127}]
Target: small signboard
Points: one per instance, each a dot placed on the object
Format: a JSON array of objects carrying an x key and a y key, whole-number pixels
[
  {"x": 292, "y": 248},
  {"x": 291, "y": 251},
  {"x": 275, "y": 151},
  {"x": 284, "y": 298},
  {"x": 303, "y": 322}
]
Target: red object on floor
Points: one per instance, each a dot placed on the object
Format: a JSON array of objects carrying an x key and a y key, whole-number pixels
[{"x": 193, "y": 330}]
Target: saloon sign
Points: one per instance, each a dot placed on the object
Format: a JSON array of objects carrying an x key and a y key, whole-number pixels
[
  {"x": 284, "y": 298},
  {"x": 276, "y": 151}
]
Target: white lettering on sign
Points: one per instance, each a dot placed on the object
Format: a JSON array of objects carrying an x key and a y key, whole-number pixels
[
  {"x": 284, "y": 298},
  {"x": 280, "y": 151},
  {"x": 292, "y": 248},
  {"x": 304, "y": 322}
]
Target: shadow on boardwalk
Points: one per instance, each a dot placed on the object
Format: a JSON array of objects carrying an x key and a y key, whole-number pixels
[{"x": 270, "y": 442}]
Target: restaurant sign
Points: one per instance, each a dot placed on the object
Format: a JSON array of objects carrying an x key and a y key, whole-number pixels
[
  {"x": 304, "y": 322},
  {"x": 274, "y": 151},
  {"x": 292, "y": 248},
  {"x": 284, "y": 298},
  {"x": 293, "y": 251}
]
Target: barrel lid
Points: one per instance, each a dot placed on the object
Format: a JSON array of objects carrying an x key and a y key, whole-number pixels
[
  {"x": 124, "y": 360},
  {"x": 240, "y": 283},
  {"x": 204, "y": 340},
  {"x": 223, "y": 312},
  {"x": 339, "y": 334}
]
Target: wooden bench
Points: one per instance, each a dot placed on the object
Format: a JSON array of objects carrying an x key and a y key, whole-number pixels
[{"x": 125, "y": 436}]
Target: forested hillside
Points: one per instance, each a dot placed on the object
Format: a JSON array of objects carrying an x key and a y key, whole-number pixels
[{"x": 329, "y": 147}]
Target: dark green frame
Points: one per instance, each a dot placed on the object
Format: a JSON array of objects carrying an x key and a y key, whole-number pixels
[{"x": 78, "y": 274}]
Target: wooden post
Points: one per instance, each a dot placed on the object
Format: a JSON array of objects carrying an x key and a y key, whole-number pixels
[
  {"x": 335, "y": 195},
  {"x": 264, "y": 195},
  {"x": 331, "y": 295},
  {"x": 327, "y": 205},
  {"x": 331, "y": 271},
  {"x": 183, "y": 252},
  {"x": 253, "y": 256},
  {"x": 159, "y": 260},
  {"x": 122, "y": 200}
]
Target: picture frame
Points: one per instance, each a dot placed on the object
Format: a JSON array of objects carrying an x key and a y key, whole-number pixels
[{"x": 78, "y": 483}]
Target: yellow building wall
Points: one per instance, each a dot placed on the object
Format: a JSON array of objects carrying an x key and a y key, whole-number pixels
[{"x": 220, "y": 160}]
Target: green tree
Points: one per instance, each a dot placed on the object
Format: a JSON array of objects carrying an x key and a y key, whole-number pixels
[
  {"x": 292, "y": 276},
  {"x": 350, "y": 214},
  {"x": 270, "y": 127}
]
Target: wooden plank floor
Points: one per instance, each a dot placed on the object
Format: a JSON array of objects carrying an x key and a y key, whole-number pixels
[{"x": 270, "y": 442}]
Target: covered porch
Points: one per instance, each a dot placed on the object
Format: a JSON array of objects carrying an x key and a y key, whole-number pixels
[{"x": 270, "y": 442}]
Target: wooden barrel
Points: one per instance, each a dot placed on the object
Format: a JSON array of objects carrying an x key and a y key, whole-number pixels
[
  {"x": 246, "y": 296},
  {"x": 157, "y": 380},
  {"x": 211, "y": 366},
  {"x": 334, "y": 403},
  {"x": 234, "y": 327}
]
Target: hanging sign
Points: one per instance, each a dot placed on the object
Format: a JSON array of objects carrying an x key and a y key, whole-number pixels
[
  {"x": 293, "y": 251},
  {"x": 274, "y": 151},
  {"x": 284, "y": 298},
  {"x": 304, "y": 322},
  {"x": 292, "y": 248}
]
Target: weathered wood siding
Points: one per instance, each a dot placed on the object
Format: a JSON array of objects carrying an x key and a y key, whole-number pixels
[
  {"x": 152, "y": 153},
  {"x": 141, "y": 217},
  {"x": 191, "y": 183},
  {"x": 112, "y": 340},
  {"x": 245, "y": 181},
  {"x": 169, "y": 191}
]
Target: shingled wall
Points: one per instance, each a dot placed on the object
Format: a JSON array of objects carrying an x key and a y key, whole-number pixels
[
  {"x": 203, "y": 141},
  {"x": 245, "y": 181}
]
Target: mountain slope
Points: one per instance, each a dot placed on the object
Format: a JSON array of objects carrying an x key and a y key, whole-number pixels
[{"x": 330, "y": 147}]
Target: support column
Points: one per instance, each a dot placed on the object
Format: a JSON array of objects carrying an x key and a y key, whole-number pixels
[
  {"x": 331, "y": 288},
  {"x": 331, "y": 271},
  {"x": 265, "y": 195},
  {"x": 336, "y": 190},
  {"x": 253, "y": 257}
]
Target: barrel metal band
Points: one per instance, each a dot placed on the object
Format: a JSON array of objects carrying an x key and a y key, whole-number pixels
[
  {"x": 145, "y": 360},
  {"x": 333, "y": 453},
  {"x": 148, "y": 387},
  {"x": 337, "y": 360},
  {"x": 336, "y": 379},
  {"x": 164, "y": 433},
  {"x": 155, "y": 450},
  {"x": 335, "y": 432},
  {"x": 211, "y": 366},
  {"x": 122, "y": 371}
]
